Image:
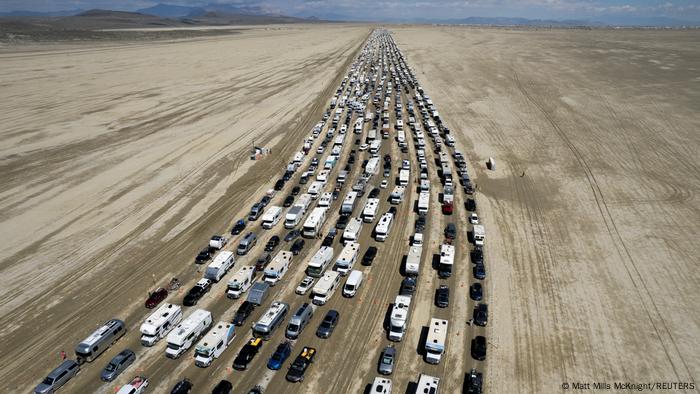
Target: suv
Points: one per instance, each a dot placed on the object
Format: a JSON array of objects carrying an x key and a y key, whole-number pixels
[
  {"x": 474, "y": 382},
  {"x": 408, "y": 286},
  {"x": 330, "y": 321},
  {"x": 369, "y": 256},
  {"x": 300, "y": 364},
  {"x": 247, "y": 354},
  {"x": 328, "y": 240},
  {"x": 204, "y": 255},
  {"x": 255, "y": 211},
  {"x": 156, "y": 297},
  {"x": 182, "y": 387},
  {"x": 297, "y": 246},
  {"x": 284, "y": 350},
  {"x": 272, "y": 243},
  {"x": 478, "y": 349},
  {"x": 58, "y": 377},
  {"x": 243, "y": 312},
  {"x": 196, "y": 292},
  {"x": 481, "y": 315},
  {"x": 238, "y": 227},
  {"x": 118, "y": 364},
  {"x": 443, "y": 296},
  {"x": 263, "y": 261}
]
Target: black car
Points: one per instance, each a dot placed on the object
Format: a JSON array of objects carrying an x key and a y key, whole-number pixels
[
  {"x": 238, "y": 227},
  {"x": 470, "y": 204},
  {"x": 182, "y": 387},
  {"x": 297, "y": 246},
  {"x": 287, "y": 175},
  {"x": 223, "y": 387},
  {"x": 262, "y": 262},
  {"x": 292, "y": 235},
  {"x": 375, "y": 192},
  {"x": 369, "y": 256},
  {"x": 242, "y": 313},
  {"x": 265, "y": 200},
  {"x": 328, "y": 240},
  {"x": 442, "y": 298},
  {"x": 477, "y": 256},
  {"x": 300, "y": 364},
  {"x": 408, "y": 286},
  {"x": 351, "y": 159},
  {"x": 476, "y": 292},
  {"x": 296, "y": 190},
  {"x": 247, "y": 353},
  {"x": 364, "y": 163},
  {"x": 479, "y": 348},
  {"x": 392, "y": 210},
  {"x": 204, "y": 255},
  {"x": 451, "y": 231},
  {"x": 342, "y": 222},
  {"x": 196, "y": 292},
  {"x": 480, "y": 271},
  {"x": 335, "y": 194},
  {"x": 474, "y": 382},
  {"x": 357, "y": 141},
  {"x": 387, "y": 158},
  {"x": 481, "y": 315},
  {"x": 288, "y": 202},
  {"x": 330, "y": 321},
  {"x": 272, "y": 243},
  {"x": 279, "y": 184},
  {"x": 420, "y": 224}
]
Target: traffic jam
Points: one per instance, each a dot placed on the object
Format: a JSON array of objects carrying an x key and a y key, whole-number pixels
[{"x": 360, "y": 269}]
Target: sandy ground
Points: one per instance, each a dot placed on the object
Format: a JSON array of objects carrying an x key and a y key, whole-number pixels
[
  {"x": 118, "y": 163},
  {"x": 592, "y": 214}
]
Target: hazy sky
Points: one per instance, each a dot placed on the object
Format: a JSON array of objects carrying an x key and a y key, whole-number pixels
[{"x": 408, "y": 9}]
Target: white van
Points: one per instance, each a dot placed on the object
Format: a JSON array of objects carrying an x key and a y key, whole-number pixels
[{"x": 353, "y": 283}]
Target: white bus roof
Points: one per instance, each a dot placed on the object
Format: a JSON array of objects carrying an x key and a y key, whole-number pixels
[
  {"x": 447, "y": 254},
  {"x": 321, "y": 256},
  {"x": 271, "y": 213},
  {"x": 282, "y": 258},
  {"x": 423, "y": 198},
  {"x": 348, "y": 251},
  {"x": 186, "y": 326},
  {"x": 220, "y": 258},
  {"x": 220, "y": 330},
  {"x": 326, "y": 282},
  {"x": 160, "y": 316},
  {"x": 315, "y": 216},
  {"x": 275, "y": 309},
  {"x": 384, "y": 222},
  {"x": 437, "y": 335},
  {"x": 427, "y": 384}
]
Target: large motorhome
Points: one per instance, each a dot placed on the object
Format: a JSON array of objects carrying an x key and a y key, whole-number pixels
[
  {"x": 372, "y": 166},
  {"x": 435, "y": 343},
  {"x": 447, "y": 259},
  {"x": 381, "y": 231},
  {"x": 428, "y": 384},
  {"x": 320, "y": 261},
  {"x": 314, "y": 222},
  {"x": 271, "y": 217},
  {"x": 213, "y": 344},
  {"x": 375, "y": 146},
  {"x": 423, "y": 203},
  {"x": 159, "y": 323},
  {"x": 325, "y": 287},
  {"x": 275, "y": 271},
  {"x": 352, "y": 230},
  {"x": 220, "y": 266},
  {"x": 399, "y": 318},
  {"x": 272, "y": 319},
  {"x": 369, "y": 213},
  {"x": 347, "y": 257},
  {"x": 240, "y": 282},
  {"x": 413, "y": 259},
  {"x": 404, "y": 176},
  {"x": 315, "y": 189},
  {"x": 397, "y": 195},
  {"x": 297, "y": 211},
  {"x": 187, "y": 332},
  {"x": 348, "y": 204},
  {"x": 100, "y": 340}
]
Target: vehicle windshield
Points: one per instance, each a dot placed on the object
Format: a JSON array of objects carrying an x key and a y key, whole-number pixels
[
  {"x": 48, "y": 381},
  {"x": 293, "y": 327},
  {"x": 387, "y": 360},
  {"x": 326, "y": 324},
  {"x": 173, "y": 346},
  {"x": 110, "y": 367}
]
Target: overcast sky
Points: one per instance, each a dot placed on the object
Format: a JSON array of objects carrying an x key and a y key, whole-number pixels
[{"x": 409, "y": 9}]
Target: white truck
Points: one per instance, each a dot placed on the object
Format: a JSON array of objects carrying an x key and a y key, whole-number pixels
[
  {"x": 278, "y": 267},
  {"x": 413, "y": 259},
  {"x": 479, "y": 234},
  {"x": 320, "y": 261},
  {"x": 218, "y": 242},
  {"x": 404, "y": 176},
  {"x": 352, "y": 230},
  {"x": 213, "y": 344},
  {"x": 159, "y": 323},
  {"x": 398, "y": 321},
  {"x": 240, "y": 282},
  {"x": 187, "y": 332},
  {"x": 397, "y": 194},
  {"x": 271, "y": 217},
  {"x": 369, "y": 213},
  {"x": 325, "y": 287},
  {"x": 347, "y": 257},
  {"x": 435, "y": 343},
  {"x": 220, "y": 266}
]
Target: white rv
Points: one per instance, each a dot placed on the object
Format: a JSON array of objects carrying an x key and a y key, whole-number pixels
[
  {"x": 272, "y": 319},
  {"x": 319, "y": 261},
  {"x": 187, "y": 332},
  {"x": 159, "y": 323},
  {"x": 375, "y": 146},
  {"x": 240, "y": 282},
  {"x": 428, "y": 384},
  {"x": 447, "y": 260},
  {"x": 369, "y": 213},
  {"x": 352, "y": 230},
  {"x": 325, "y": 287},
  {"x": 315, "y": 189},
  {"x": 325, "y": 200},
  {"x": 381, "y": 231},
  {"x": 213, "y": 344},
  {"x": 381, "y": 385},
  {"x": 399, "y": 318},
  {"x": 372, "y": 166},
  {"x": 347, "y": 257},
  {"x": 413, "y": 259},
  {"x": 271, "y": 217},
  {"x": 423, "y": 203},
  {"x": 479, "y": 234},
  {"x": 404, "y": 176},
  {"x": 348, "y": 203},
  {"x": 435, "y": 343},
  {"x": 220, "y": 266},
  {"x": 297, "y": 211},
  {"x": 314, "y": 222},
  {"x": 275, "y": 271},
  {"x": 397, "y": 195}
]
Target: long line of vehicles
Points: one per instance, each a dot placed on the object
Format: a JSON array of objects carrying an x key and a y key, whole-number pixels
[{"x": 377, "y": 74}]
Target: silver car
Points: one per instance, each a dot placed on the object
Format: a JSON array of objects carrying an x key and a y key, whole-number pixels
[
  {"x": 386, "y": 360},
  {"x": 118, "y": 364},
  {"x": 58, "y": 377}
]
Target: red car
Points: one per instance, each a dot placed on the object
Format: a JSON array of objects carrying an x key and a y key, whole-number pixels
[
  {"x": 156, "y": 297},
  {"x": 447, "y": 208}
]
